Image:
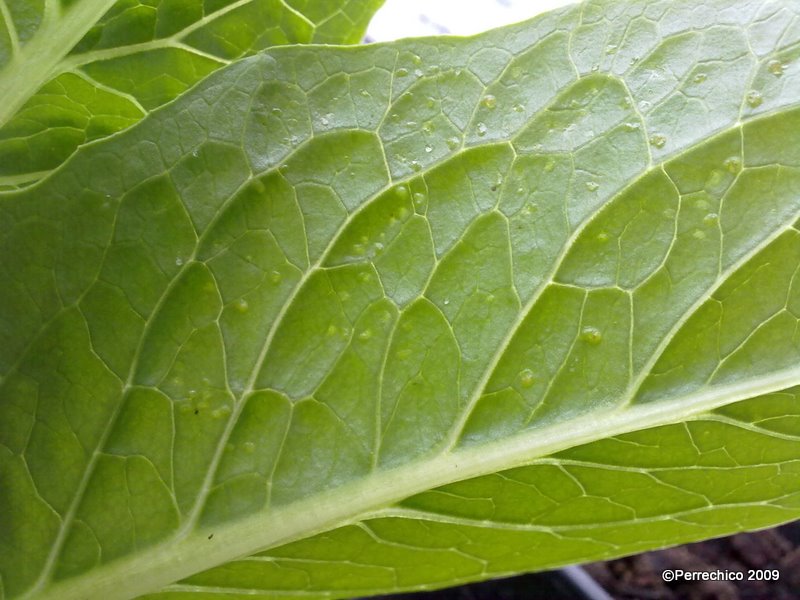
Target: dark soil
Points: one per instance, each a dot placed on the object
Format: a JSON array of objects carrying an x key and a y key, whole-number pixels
[{"x": 639, "y": 577}]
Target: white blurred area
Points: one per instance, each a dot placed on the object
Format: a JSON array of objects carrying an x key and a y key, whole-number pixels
[{"x": 413, "y": 18}]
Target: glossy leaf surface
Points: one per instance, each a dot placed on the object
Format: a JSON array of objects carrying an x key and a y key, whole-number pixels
[
  {"x": 403, "y": 315},
  {"x": 76, "y": 71}
]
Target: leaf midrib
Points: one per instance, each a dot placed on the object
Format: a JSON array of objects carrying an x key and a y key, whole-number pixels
[
  {"x": 172, "y": 561},
  {"x": 33, "y": 65}
]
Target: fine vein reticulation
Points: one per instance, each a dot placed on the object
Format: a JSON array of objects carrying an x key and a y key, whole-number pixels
[
  {"x": 343, "y": 320},
  {"x": 75, "y": 72}
]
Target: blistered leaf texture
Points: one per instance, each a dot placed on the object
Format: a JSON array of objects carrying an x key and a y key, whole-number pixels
[
  {"x": 341, "y": 321},
  {"x": 74, "y": 72}
]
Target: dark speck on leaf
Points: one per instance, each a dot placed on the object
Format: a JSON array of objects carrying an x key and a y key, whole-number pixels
[
  {"x": 197, "y": 411},
  {"x": 211, "y": 536}
]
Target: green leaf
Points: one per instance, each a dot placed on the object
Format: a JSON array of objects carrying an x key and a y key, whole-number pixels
[
  {"x": 348, "y": 320},
  {"x": 76, "y": 71}
]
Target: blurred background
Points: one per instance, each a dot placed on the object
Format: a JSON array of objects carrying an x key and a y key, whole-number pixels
[{"x": 414, "y": 18}]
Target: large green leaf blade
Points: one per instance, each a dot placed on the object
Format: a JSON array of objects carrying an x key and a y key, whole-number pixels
[
  {"x": 352, "y": 276},
  {"x": 81, "y": 71}
]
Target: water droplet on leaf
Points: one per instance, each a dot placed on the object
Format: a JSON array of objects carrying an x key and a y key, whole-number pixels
[
  {"x": 754, "y": 98},
  {"x": 365, "y": 335},
  {"x": 733, "y": 164},
  {"x": 402, "y": 72},
  {"x": 775, "y": 67},
  {"x": 489, "y": 101},
  {"x": 591, "y": 335},
  {"x": 526, "y": 378},
  {"x": 658, "y": 140},
  {"x": 592, "y": 186},
  {"x": 482, "y": 129}
]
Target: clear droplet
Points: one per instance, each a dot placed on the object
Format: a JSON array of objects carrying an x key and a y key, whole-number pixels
[
  {"x": 428, "y": 148},
  {"x": 401, "y": 72},
  {"x": 431, "y": 102},
  {"x": 549, "y": 165},
  {"x": 733, "y": 164},
  {"x": 699, "y": 235},
  {"x": 275, "y": 276},
  {"x": 754, "y": 98},
  {"x": 249, "y": 447},
  {"x": 364, "y": 93},
  {"x": 714, "y": 179},
  {"x": 453, "y": 143},
  {"x": 482, "y": 129},
  {"x": 365, "y": 335},
  {"x": 221, "y": 412},
  {"x": 401, "y": 191},
  {"x": 591, "y": 335},
  {"x": 446, "y": 301},
  {"x": 419, "y": 199},
  {"x": 631, "y": 126},
  {"x": 611, "y": 49},
  {"x": 365, "y": 276},
  {"x": 775, "y": 67},
  {"x": 518, "y": 108},
  {"x": 428, "y": 127},
  {"x": 241, "y": 305},
  {"x": 325, "y": 122},
  {"x": 415, "y": 166},
  {"x": 526, "y": 378},
  {"x": 602, "y": 237},
  {"x": 592, "y": 186},
  {"x": 489, "y": 101},
  {"x": 332, "y": 330},
  {"x": 711, "y": 219},
  {"x": 416, "y": 59},
  {"x": 658, "y": 140},
  {"x": 700, "y": 77}
]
